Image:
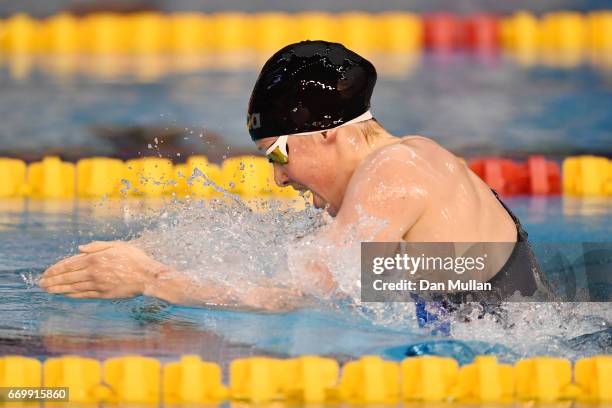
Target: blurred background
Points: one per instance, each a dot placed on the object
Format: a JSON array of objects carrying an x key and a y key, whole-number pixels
[
  {"x": 128, "y": 79},
  {"x": 106, "y": 102},
  {"x": 42, "y": 9}
]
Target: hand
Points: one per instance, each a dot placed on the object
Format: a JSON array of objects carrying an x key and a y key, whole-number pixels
[{"x": 113, "y": 269}]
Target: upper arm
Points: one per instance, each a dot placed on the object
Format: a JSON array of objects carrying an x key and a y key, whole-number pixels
[
  {"x": 384, "y": 199},
  {"x": 386, "y": 195}
]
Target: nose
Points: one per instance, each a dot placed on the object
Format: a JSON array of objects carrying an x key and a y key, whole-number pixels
[{"x": 280, "y": 177}]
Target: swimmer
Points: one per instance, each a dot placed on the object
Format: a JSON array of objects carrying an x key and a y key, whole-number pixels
[{"x": 309, "y": 112}]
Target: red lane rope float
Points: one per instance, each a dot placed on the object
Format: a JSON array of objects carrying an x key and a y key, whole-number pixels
[
  {"x": 447, "y": 32},
  {"x": 536, "y": 176},
  {"x": 252, "y": 176},
  {"x": 442, "y": 32},
  {"x": 481, "y": 32}
]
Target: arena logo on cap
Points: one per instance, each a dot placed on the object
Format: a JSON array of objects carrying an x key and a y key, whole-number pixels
[{"x": 253, "y": 121}]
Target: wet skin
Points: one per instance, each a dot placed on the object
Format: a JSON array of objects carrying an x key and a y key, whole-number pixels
[{"x": 417, "y": 189}]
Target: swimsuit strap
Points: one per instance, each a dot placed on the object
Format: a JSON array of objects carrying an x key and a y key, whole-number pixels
[{"x": 521, "y": 233}]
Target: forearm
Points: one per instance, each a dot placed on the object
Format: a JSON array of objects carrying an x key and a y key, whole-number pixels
[
  {"x": 177, "y": 288},
  {"x": 184, "y": 291}
]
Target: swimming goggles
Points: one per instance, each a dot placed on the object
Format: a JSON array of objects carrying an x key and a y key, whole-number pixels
[{"x": 277, "y": 153}]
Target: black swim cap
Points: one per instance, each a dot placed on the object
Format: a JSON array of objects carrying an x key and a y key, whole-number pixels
[{"x": 309, "y": 86}]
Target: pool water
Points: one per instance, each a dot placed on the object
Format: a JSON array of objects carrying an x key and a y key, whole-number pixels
[
  {"x": 40, "y": 324},
  {"x": 472, "y": 106}
]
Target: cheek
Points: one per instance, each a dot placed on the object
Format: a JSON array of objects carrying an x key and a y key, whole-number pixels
[
  {"x": 314, "y": 173},
  {"x": 326, "y": 175}
]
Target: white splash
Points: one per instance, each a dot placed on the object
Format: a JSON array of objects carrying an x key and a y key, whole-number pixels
[{"x": 228, "y": 241}]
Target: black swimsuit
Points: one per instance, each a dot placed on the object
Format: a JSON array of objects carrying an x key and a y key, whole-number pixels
[{"x": 521, "y": 271}]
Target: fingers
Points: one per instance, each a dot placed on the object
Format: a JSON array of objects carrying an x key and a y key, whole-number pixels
[
  {"x": 96, "y": 246},
  {"x": 73, "y": 288},
  {"x": 73, "y": 263},
  {"x": 88, "y": 294},
  {"x": 67, "y": 278},
  {"x": 79, "y": 261}
]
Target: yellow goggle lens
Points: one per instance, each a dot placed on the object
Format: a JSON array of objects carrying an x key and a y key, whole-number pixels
[{"x": 276, "y": 156}]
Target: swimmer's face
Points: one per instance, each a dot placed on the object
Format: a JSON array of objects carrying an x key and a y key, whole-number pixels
[{"x": 312, "y": 166}]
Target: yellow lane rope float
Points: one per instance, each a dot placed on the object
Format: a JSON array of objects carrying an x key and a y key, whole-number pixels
[
  {"x": 313, "y": 379},
  {"x": 252, "y": 177}
]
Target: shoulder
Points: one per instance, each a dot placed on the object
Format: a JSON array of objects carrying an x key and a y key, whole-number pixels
[
  {"x": 417, "y": 166},
  {"x": 390, "y": 173},
  {"x": 390, "y": 184},
  {"x": 408, "y": 157}
]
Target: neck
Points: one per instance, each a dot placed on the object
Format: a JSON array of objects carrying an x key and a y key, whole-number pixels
[
  {"x": 356, "y": 147},
  {"x": 353, "y": 148}
]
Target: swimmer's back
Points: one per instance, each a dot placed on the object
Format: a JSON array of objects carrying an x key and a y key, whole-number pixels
[
  {"x": 423, "y": 193},
  {"x": 462, "y": 207}
]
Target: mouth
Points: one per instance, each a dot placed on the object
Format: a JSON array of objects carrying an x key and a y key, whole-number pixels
[
  {"x": 298, "y": 187},
  {"x": 318, "y": 201}
]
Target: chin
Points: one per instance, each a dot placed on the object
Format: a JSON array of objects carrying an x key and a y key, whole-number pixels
[
  {"x": 320, "y": 203},
  {"x": 331, "y": 210}
]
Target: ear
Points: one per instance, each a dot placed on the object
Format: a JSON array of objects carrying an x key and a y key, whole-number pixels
[{"x": 329, "y": 136}]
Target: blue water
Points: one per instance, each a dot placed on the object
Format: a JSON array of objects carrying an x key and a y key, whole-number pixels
[
  {"x": 40, "y": 324},
  {"x": 472, "y": 106},
  {"x": 564, "y": 219}
]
